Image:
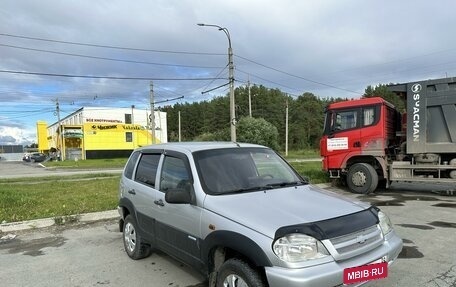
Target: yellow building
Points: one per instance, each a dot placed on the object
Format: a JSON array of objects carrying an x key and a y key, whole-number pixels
[{"x": 101, "y": 132}]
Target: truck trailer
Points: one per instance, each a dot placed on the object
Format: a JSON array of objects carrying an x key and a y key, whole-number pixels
[{"x": 368, "y": 141}]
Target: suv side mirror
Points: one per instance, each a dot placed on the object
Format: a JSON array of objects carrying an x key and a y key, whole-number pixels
[{"x": 178, "y": 196}]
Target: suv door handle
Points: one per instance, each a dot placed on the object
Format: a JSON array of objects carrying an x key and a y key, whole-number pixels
[
  {"x": 131, "y": 191},
  {"x": 159, "y": 202}
]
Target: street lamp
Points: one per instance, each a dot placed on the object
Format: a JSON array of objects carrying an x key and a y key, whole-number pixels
[{"x": 231, "y": 79}]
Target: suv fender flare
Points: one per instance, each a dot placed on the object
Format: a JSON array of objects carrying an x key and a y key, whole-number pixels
[
  {"x": 126, "y": 203},
  {"x": 235, "y": 241}
]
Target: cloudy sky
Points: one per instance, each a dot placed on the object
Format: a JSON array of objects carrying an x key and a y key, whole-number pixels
[{"x": 331, "y": 48}]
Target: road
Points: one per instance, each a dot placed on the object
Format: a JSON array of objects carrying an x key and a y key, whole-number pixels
[
  {"x": 93, "y": 255},
  {"x": 14, "y": 169}
]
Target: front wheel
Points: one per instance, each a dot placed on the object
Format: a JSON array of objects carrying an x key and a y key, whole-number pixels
[
  {"x": 237, "y": 273},
  {"x": 362, "y": 178}
]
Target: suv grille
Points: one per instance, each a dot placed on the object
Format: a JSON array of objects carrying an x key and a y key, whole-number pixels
[{"x": 356, "y": 243}]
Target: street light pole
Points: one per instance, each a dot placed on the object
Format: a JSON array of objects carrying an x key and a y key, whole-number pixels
[{"x": 231, "y": 79}]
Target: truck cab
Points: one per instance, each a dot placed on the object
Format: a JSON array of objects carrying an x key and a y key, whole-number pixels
[
  {"x": 367, "y": 140},
  {"x": 358, "y": 136}
]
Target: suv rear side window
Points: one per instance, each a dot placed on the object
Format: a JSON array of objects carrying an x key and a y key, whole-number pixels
[
  {"x": 147, "y": 169},
  {"x": 131, "y": 165}
]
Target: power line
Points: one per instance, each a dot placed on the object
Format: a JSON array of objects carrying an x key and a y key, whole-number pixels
[
  {"x": 256, "y": 76},
  {"x": 108, "y": 59},
  {"x": 112, "y": 47},
  {"x": 295, "y": 76},
  {"x": 168, "y": 100},
  {"x": 149, "y": 63},
  {"x": 106, "y": 77}
]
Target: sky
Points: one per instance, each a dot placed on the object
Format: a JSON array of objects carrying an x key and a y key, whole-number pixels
[{"x": 105, "y": 52}]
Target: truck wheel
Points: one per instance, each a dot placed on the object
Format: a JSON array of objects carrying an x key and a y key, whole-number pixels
[
  {"x": 362, "y": 178},
  {"x": 236, "y": 273},
  {"x": 133, "y": 243}
]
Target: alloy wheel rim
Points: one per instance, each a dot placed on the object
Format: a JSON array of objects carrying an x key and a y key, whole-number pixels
[
  {"x": 130, "y": 237},
  {"x": 234, "y": 280}
]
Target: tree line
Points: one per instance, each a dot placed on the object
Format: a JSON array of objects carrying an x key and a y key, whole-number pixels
[{"x": 209, "y": 120}]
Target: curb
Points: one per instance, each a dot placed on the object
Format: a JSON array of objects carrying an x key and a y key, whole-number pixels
[{"x": 59, "y": 220}]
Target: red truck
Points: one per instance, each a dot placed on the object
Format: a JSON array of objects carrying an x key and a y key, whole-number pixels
[{"x": 367, "y": 141}]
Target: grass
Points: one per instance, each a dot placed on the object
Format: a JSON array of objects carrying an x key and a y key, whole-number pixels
[
  {"x": 301, "y": 154},
  {"x": 61, "y": 197},
  {"x": 55, "y": 198},
  {"x": 312, "y": 171}
]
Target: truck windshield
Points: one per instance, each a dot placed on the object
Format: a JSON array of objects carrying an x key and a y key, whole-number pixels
[{"x": 236, "y": 170}]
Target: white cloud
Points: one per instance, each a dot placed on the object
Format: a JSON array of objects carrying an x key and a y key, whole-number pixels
[{"x": 15, "y": 136}]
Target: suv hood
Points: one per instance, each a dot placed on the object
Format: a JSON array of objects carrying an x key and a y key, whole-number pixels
[{"x": 266, "y": 211}]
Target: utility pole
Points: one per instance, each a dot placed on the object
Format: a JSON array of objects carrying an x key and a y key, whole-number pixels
[
  {"x": 231, "y": 79},
  {"x": 250, "y": 97},
  {"x": 134, "y": 134},
  {"x": 231, "y": 76},
  {"x": 152, "y": 112},
  {"x": 60, "y": 128},
  {"x": 179, "y": 114},
  {"x": 286, "y": 128}
]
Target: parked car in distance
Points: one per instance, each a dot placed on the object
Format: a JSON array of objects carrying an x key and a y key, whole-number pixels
[
  {"x": 242, "y": 216},
  {"x": 34, "y": 157}
]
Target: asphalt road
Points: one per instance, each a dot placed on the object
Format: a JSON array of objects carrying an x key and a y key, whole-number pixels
[
  {"x": 93, "y": 255},
  {"x": 16, "y": 169}
]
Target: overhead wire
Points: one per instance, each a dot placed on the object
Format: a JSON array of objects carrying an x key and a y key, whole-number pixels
[
  {"x": 112, "y": 47},
  {"x": 106, "y": 77},
  {"x": 107, "y": 59},
  {"x": 295, "y": 76}
]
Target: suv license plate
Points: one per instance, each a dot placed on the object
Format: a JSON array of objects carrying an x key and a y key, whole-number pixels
[{"x": 376, "y": 270}]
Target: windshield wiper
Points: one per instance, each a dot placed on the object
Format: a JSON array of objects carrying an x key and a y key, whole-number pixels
[
  {"x": 247, "y": 189},
  {"x": 287, "y": 183}
]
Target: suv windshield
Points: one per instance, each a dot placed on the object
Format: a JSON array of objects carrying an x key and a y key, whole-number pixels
[{"x": 235, "y": 170}]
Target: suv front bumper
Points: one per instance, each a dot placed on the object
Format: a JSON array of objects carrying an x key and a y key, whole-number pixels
[{"x": 331, "y": 274}]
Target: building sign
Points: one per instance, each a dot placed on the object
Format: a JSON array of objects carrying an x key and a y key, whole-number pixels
[
  {"x": 91, "y": 120},
  {"x": 132, "y": 127},
  {"x": 118, "y": 127},
  {"x": 104, "y": 127}
]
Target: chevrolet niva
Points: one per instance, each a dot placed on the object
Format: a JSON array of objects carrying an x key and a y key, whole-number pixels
[{"x": 241, "y": 215}]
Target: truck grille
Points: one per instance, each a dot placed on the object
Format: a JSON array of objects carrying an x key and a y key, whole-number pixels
[{"x": 356, "y": 243}]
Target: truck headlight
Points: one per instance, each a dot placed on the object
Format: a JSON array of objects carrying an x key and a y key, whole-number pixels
[
  {"x": 385, "y": 223},
  {"x": 298, "y": 247}
]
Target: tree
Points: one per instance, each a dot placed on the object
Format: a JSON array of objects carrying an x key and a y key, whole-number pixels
[
  {"x": 257, "y": 131},
  {"x": 306, "y": 121},
  {"x": 382, "y": 91}
]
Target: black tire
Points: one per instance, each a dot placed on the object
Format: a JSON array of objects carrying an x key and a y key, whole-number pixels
[
  {"x": 235, "y": 273},
  {"x": 362, "y": 178},
  {"x": 133, "y": 243}
]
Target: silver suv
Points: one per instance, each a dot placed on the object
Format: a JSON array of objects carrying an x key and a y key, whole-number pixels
[{"x": 241, "y": 215}]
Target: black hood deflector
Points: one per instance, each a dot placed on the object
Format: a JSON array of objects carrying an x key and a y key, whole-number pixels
[{"x": 334, "y": 227}]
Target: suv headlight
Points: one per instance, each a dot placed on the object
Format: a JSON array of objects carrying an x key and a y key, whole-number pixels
[
  {"x": 385, "y": 223},
  {"x": 298, "y": 247}
]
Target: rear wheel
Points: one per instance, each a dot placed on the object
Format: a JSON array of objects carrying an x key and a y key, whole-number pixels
[
  {"x": 237, "y": 273},
  {"x": 362, "y": 178},
  {"x": 133, "y": 243}
]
